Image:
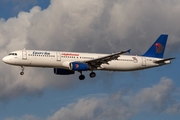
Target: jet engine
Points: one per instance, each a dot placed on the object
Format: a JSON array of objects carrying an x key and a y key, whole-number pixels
[
  {"x": 78, "y": 66},
  {"x": 59, "y": 71}
]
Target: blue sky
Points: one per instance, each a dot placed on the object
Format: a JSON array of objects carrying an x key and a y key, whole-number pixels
[
  {"x": 89, "y": 26},
  {"x": 11, "y": 8}
]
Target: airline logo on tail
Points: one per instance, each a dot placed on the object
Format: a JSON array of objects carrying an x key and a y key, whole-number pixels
[{"x": 159, "y": 48}]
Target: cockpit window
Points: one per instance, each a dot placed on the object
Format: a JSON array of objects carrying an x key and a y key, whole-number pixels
[{"x": 13, "y": 54}]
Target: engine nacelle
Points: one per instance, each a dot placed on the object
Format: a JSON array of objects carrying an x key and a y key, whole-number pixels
[
  {"x": 78, "y": 66},
  {"x": 59, "y": 71}
]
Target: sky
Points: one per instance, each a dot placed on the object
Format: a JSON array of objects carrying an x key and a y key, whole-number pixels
[{"x": 101, "y": 26}]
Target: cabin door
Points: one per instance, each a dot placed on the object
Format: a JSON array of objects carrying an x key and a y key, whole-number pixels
[
  {"x": 24, "y": 55},
  {"x": 143, "y": 61},
  {"x": 58, "y": 56}
]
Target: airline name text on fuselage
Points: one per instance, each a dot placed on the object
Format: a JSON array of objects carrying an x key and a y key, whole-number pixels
[
  {"x": 70, "y": 54},
  {"x": 41, "y": 53}
]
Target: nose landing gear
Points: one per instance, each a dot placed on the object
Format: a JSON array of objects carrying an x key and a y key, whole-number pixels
[{"x": 22, "y": 72}]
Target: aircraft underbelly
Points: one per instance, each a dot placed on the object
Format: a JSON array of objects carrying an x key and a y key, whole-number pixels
[
  {"x": 40, "y": 63},
  {"x": 122, "y": 66},
  {"x": 46, "y": 64}
]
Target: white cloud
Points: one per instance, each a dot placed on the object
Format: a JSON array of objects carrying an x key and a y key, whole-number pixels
[
  {"x": 158, "y": 96},
  {"x": 122, "y": 105},
  {"x": 87, "y": 25},
  {"x": 174, "y": 109}
]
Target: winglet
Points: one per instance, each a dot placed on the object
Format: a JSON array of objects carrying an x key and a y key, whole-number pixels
[{"x": 128, "y": 51}]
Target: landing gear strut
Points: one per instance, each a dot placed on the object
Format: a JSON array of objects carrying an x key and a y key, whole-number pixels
[
  {"x": 81, "y": 77},
  {"x": 22, "y": 72},
  {"x": 92, "y": 74}
]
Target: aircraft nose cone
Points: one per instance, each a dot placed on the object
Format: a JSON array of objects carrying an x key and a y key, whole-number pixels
[{"x": 5, "y": 59}]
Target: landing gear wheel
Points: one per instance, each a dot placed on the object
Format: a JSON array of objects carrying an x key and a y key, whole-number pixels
[
  {"x": 92, "y": 74},
  {"x": 81, "y": 77},
  {"x": 21, "y": 73}
]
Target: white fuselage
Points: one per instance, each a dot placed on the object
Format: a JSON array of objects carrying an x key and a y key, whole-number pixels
[{"x": 59, "y": 59}]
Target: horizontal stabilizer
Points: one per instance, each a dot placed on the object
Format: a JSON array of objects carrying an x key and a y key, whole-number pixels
[{"x": 164, "y": 60}]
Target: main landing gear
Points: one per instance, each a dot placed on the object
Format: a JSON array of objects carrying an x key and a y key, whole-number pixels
[
  {"x": 22, "y": 72},
  {"x": 92, "y": 74},
  {"x": 82, "y": 77}
]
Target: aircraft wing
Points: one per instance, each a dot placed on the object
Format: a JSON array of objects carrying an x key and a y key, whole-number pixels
[
  {"x": 105, "y": 59},
  {"x": 162, "y": 61}
]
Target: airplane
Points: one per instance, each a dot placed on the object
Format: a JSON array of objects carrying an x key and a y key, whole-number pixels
[{"x": 67, "y": 63}]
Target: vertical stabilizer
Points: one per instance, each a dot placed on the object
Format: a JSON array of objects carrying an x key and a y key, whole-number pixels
[{"x": 158, "y": 48}]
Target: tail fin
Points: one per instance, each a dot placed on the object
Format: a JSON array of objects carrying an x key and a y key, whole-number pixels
[{"x": 158, "y": 48}]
